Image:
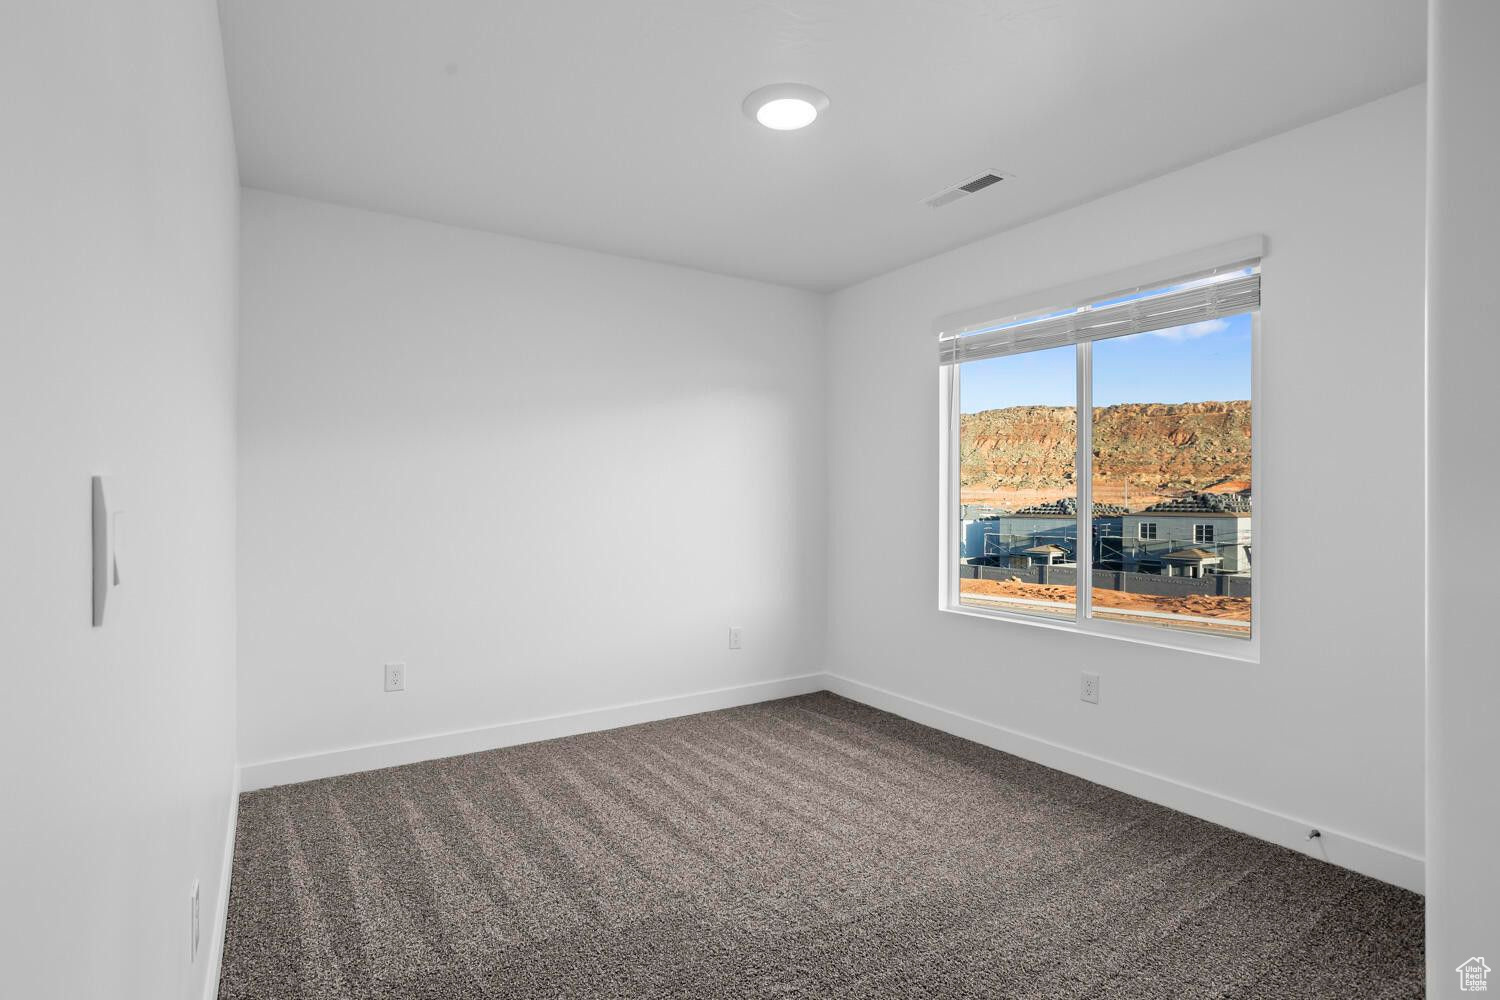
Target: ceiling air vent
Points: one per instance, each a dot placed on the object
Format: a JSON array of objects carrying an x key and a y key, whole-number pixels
[{"x": 965, "y": 188}]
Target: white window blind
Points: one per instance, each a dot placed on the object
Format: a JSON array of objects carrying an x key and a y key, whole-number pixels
[{"x": 1194, "y": 297}]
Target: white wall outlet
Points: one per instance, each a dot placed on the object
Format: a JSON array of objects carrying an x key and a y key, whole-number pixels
[
  {"x": 1088, "y": 689},
  {"x": 736, "y": 637},
  {"x": 395, "y": 677},
  {"x": 194, "y": 922}
]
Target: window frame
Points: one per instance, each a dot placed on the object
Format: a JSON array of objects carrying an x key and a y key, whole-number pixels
[
  {"x": 1140, "y": 532},
  {"x": 1203, "y": 532},
  {"x": 949, "y": 496}
]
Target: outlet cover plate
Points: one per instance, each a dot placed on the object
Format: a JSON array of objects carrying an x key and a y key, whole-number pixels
[
  {"x": 1088, "y": 688},
  {"x": 395, "y": 677}
]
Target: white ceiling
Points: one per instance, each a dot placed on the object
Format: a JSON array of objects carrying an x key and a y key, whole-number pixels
[{"x": 616, "y": 125}]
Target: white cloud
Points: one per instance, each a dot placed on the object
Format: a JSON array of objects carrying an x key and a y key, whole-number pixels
[{"x": 1191, "y": 331}]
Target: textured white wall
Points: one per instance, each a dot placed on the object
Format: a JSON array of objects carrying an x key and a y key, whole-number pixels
[
  {"x": 117, "y": 278},
  {"x": 1328, "y": 727},
  {"x": 546, "y": 479},
  {"x": 1463, "y": 357}
]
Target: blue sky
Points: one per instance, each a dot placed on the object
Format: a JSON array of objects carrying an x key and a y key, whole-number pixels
[{"x": 1185, "y": 364}]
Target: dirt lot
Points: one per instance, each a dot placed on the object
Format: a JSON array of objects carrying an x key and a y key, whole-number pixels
[
  {"x": 1134, "y": 498},
  {"x": 1015, "y": 499},
  {"x": 1235, "y": 609}
]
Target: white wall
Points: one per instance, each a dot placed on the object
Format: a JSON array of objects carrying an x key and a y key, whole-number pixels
[
  {"x": 1463, "y": 357},
  {"x": 1328, "y": 728},
  {"x": 117, "y": 278},
  {"x": 546, "y": 479}
]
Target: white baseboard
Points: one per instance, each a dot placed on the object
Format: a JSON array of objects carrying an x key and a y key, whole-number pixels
[
  {"x": 1385, "y": 863},
  {"x": 289, "y": 770},
  {"x": 221, "y": 906}
]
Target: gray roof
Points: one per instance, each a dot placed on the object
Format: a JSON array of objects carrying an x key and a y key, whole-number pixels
[
  {"x": 981, "y": 512},
  {"x": 1068, "y": 507},
  {"x": 1204, "y": 503}
]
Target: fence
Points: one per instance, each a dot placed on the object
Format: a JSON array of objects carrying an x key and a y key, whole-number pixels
[{"x": 1218, "y": 585}]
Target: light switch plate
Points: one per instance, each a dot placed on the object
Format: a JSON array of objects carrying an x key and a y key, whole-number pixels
[
  {"x": 106, "y": 548},
  {"x": 195, "y": 922}
]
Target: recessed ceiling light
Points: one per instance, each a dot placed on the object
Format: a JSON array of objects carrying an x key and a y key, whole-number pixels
[{"x": 785, "y": 106}]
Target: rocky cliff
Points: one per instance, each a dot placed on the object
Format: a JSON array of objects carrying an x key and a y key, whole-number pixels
[{"x": 1141, "y": 450}]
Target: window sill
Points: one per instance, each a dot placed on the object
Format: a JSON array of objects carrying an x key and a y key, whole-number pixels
[{"x": 1220, "y": 647}]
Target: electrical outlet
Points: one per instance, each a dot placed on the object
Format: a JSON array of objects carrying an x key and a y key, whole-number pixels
[
  {"x": 736, "y": 637},
  {"x": 194, "y": 923},
  {"x": 1088, "y": 690},
  {"x": 395, "y": 677}
]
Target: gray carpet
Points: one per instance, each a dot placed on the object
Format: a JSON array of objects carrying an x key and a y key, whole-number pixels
[{"x": 810, "y": 847}]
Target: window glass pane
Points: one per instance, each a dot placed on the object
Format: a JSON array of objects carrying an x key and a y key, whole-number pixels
[
  {"x": 1171, "y": 477},
  {"x": 1018, "y": 439}
]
